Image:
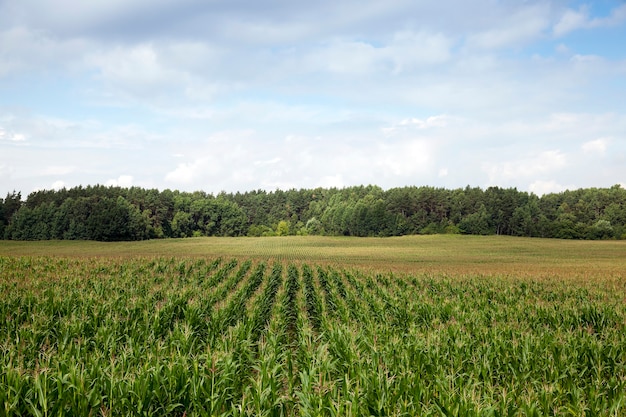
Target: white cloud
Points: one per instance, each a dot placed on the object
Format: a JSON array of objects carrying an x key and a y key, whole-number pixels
[
  {"x": 272, "y": 161},
  {"x": 304, "y": 161},
  {"x": 57, "y": 185},
  {"x": 595, "y": 146},
  {"x": 57, "y": 170},
  {"x": 27, "y": 49},
  {"x": 184, "y": 173},
  {"x": 406, "y": 51},
  {"x": 39, "y": 130},
  {"x": 404, "y": 159},
  {"x": 585, "y": 59},
  {"x": 563, "y": 49},
  {"x": 124, "y": 181},
  {"x": 572, "y": 20},
  {"x": 432, "y": 121},
  {"x": 349, "y": 57},
  {"x": 541, "y": 187},
  {"x": 329, "y": 181},
  {"x": 414, "y": 123},
  {"x": 12, "y": 136},
  {"x": 412, "y": 50},
  {"x": 71, "y": 18},
  {"x": 533, "y": 165},
  {"x": 519, "y": 27},
  {"x": 223, "y": 158},
  {"x": 133, "y": 70},
  {"x": 391, "y": 93},
  {"x": 200, "y": 172}
]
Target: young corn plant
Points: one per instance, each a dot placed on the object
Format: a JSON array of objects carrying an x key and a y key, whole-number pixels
[{"x": 193, "y": 337}]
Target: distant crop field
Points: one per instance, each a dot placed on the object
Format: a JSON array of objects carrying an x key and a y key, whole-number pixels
[
  {"x": 450, "y": 254},
  {"x": 313, "y": 326}
]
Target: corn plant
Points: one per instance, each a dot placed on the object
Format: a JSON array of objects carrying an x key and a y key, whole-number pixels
[{"x": 195, "y": 336}]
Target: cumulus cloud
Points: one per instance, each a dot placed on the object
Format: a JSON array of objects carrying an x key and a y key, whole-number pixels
[
  {"x": 213, "y": 160},
  {"x": 272, "y": 161},
  {"x": 121, "y": 181},
  {"x": 572, "y": 20},
  {"x": 69, "y": 18},
  {"x": 440, "y": 149},
  {"x": 442, "y": 120},
  {"x": 240, "y": 95},
  {"x": 25, "y": 49},
  {"x": 418, "y": 127},
  {"x": 58, "y": 170},
  {"x": 304, "y": 161},
  {"x": 517, "y": 28},
  {"x": 595, "y": 146},
  {"x": 405, "y": 159},
  {"x": 404, "y": 52},
  {"x": 57, "y": 185},
  {"x": 11, "y": 136},
  {"x": 541, "y": 187},
  {"x": 136, "y": 71},
  {"x": 18, "y": 137},
  {"x": 532, "y": 165},
  {"x": 185, "y": 172}
]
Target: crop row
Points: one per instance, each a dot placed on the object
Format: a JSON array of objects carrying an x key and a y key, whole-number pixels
[{"x": 156, "y": 336}]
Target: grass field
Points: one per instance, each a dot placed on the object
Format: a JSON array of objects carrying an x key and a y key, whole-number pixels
[
  {"x": 435, "y": 253},
  {"x": 307, "y": 326}
]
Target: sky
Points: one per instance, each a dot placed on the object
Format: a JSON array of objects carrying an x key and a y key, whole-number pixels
[{"x": 242, "y": 95}]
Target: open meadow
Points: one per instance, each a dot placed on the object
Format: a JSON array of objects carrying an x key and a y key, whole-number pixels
[{"x": 307, "y": 326}]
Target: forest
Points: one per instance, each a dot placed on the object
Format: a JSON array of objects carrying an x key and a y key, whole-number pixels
[{"x": 107, "y": 213}]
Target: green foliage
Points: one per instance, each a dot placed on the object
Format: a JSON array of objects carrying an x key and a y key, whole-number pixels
[
  {"x": 476, "y": 223},
  {"x": 452, "y": 229},
  {"x": 194, "y": 337},
  {"x": 432, "y": 229},
  {"x": 113, "y": 213},
  {"x": 182, "y": 224},
  {"x": 283, "y": 228},
  {"x": 8, "y": 207},
  {"x": 601, "y": 229},
  {"x": 314, "y": 226},
  {"x": 258, "y": 231}
]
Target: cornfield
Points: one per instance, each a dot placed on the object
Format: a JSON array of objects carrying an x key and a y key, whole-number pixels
[{"x": 231, "y": 337}]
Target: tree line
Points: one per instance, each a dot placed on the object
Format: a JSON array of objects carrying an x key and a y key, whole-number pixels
[{"x": 115, "y": 214}]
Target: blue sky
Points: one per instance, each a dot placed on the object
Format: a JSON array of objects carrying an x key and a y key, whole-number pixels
[{"x": 241, "y": 95}]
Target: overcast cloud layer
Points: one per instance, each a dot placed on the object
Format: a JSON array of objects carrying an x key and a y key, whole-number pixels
[{"x": 245, "y": 94}]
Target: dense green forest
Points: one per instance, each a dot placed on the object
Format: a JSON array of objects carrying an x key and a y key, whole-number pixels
[{"x": 114, "y": 213}]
